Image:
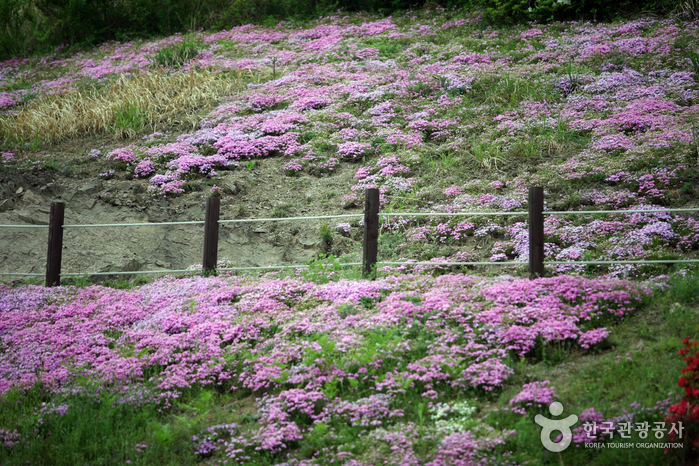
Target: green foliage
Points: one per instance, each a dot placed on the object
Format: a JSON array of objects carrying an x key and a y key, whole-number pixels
[
  {"x": 326, "y": 233},
  {"x": 80, "y": 281},
  {"x": 323, "y": 269},
  {"x": 20, "y": 25},
  {"x": 129, "y": 117},
  {"x": 41, "y": 25},
  {"x": 519, "y": 11},
  {"x": 346, "y": 310},
  {"x": 162, "y": 433},
  {"x": 281, "y": 210},
  {"x": 271, "y": 11},
  {"x": 175, "y": 55},
  {"x": 678, "y": 306},
  {"x": 421, "y": 88},
  {"x": 95, "y": 429},
  {"x": 550, "y": 353},
  {"x": 31, "y": 26},
  {"x": 486, "y": 154},
  {"x": 388, "y": 244},
  {"x": 307, "y": 137}
]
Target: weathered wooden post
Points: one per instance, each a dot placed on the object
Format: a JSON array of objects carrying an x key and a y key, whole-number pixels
[
  {"x": 536, "y": 232},
  {"x": 371, "y": 232},
  {"x": 55, "y": 251},
  {"x": 213, "y": 205}
]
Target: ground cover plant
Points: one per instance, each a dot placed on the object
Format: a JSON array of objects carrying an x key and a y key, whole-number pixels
[
  {"x": 428, "y": 365},
  {"x": 410, "y": 369}
]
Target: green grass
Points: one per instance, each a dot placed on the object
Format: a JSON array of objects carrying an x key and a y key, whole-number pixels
[
  {"x": 129, "y": 118},
  {"x": 499, "y": 90},
  {"x": 32, "y": 144},
  {"x": 177, "y": 54},
  {"x": 326, "y": 233},
  {"x": 95, "y": 430},
  {"x": 388, "y": 245},
  {"x": 485, "y": 154},
  {"x": 387, "y": 49}
]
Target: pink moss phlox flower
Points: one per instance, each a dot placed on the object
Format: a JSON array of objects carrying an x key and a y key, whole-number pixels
[
  {"x": 144, "y": 168},
  {"x": 352, "y": 150},
  {"x": 540, "y": 394},
  {"x": 125, "y": 154}
]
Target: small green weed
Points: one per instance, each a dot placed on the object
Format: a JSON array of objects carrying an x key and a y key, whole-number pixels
[
  {"x": 32, "y": 144},
  {"x": 80, "y": 281},
  {"x": 486, "y": 154},
  {"x": 281, "y": 210},
  {"x": 129, "y": 119},
  {"x": 420, "y": 88},
  {"x": 389, "y": 243},
  {"x": 322, "y": 270},
  {"x": 693, "y": 58},
  {"x": 326, "y": 234}
]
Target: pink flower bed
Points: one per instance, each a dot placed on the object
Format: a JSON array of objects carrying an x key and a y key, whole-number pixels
[{"x": 290, "y": 339}]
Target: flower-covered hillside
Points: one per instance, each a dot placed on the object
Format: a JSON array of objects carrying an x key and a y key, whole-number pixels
[
  {"x": 341, "y": 364},
  {"x": 436, "y": 110},
  {"x": 442, "y": 114}
]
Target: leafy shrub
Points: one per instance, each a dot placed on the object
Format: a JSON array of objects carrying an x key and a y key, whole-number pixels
[
  {"x": 44, "y": 24},
  {"x": 18, "y": 23},
  {"x": 517, "y": 11}
]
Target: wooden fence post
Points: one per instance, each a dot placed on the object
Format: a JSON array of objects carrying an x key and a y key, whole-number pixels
[
  {"x": 536, "y": 232},
  {"x": 213, "y": 205},
  {"x": 55, "y": 251},
  {"x": 371, "y": 232}
]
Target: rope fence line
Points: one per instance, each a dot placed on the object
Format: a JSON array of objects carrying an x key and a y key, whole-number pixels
[
  {"x": 449, "y": 214},
  {"x": 668, "y": 261},
  {"x": 193, "y": 222},
  {"x": 24, "y": 226},
  {"x": 142, "y": 272},
  {"x": 281, "y": 219},
  {"x": 585, "y": 212},
  {"x": 452, "y": 263},
  {"x": 370, "y": 245},
  {"x": 383, "y": 214}
]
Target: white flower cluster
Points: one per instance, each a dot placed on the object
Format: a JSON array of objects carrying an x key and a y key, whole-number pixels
[{"x": 453, "y": 417}]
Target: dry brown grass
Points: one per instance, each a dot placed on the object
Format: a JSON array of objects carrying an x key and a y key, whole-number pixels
[{"x": 161, "y": 100}]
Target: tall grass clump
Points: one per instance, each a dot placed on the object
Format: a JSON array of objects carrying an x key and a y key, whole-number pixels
[
  {"x": 127, "y": 106},
  {"x": 129, "y": 119},
  {"x": 177, "y": 54}
]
